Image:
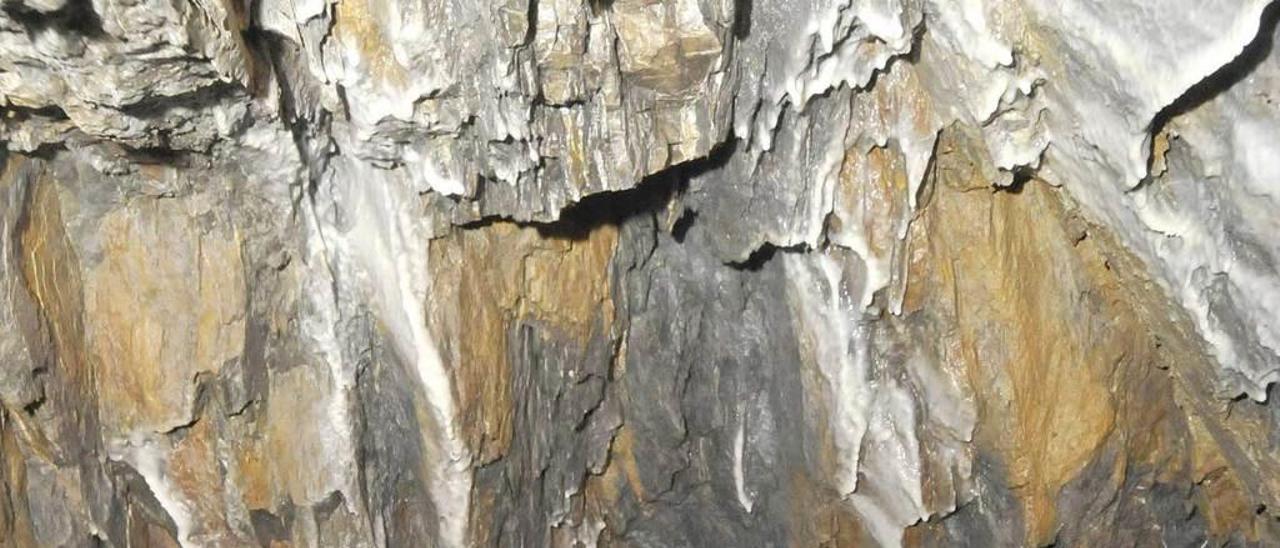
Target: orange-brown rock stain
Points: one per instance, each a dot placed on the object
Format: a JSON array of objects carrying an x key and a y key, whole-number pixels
[
  {"x": 51, "y": 274},
  {"x": 487, "y": 279},
  {"x": 873, "y": 194},
  {"x": 272, "y": 460},
  {"x": 16, "y": 529},
  {"x": 818, "y": 517},
  {"x": 196, "y": 471},
  {"x": 618, "y": 485},
  {"x": 1053, "y": 326},
  {"x": 165, "y": 303},
  {"x": 251, "y": 474},
  {"x": 1032, "y": 328},
  {"x": 358, "y": 25}
]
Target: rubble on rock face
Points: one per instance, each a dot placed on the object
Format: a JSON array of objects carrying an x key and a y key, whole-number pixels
[{"x": 639, "y": 272}]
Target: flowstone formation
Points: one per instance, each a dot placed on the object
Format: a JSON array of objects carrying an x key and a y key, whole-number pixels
[{"x": 639, "y": 273}]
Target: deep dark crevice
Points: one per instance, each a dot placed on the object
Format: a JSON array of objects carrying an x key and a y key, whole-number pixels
[
  {"x": 14, "y": 113},
  {"x": 682, "y": 225},
  {"x": 928, "y": 181},
  {"x": 257, "y": 51},
  {"x": 1221, "y": 80},
  {"x": 578, "y": 220},
  {"x": 268, "y": 529},
  {"x": 76, "y": 17},
  {"x": 1021, "y": 176},
  {"x": 912, "y": 56},
  {"x": 196, "y": 100},
  {"x": 531, "y": 32},
  {"x": 279, "y": 53},
  {"x": 598, "y": 7},
  {"x": 331, "y": 504},
  {"x": 32, "y": 407},
  {"x": 1229, "y": 74},
  {"x": 649, "y": 196},
  {"x": 758, "y": 258},
  {"x": 742, "y": 18},
  {"x": 160, "y": 156}
]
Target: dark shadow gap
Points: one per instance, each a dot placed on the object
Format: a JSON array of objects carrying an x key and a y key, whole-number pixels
[
  {"x": 76, "y": 17},
  {"x": 599, "y": 6},
  {"x": 199, "y": 99},
  {"x": 758, "y": 258},
  {"x": 649, "y": 196},
  {"x": 1227, "y": 75},
  {"x": 1021, "y": 176},
  {"x": 1222, "y": 79},
  {"x": 682, "y": 225},
  {"x": 742, "y": 18},
  {"x": 763, "y": 254}
]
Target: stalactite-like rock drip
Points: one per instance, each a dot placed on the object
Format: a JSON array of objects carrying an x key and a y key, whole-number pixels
[{"x": 638, "y": 272}]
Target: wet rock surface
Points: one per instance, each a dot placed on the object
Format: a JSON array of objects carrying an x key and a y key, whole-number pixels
[{"x": 639, "y": 273}]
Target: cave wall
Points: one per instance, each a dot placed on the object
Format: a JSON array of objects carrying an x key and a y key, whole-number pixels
[{"x": 639, "y": 273}]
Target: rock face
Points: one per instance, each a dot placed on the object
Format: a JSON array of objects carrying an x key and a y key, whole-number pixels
[{"x": 639, "y": 273}]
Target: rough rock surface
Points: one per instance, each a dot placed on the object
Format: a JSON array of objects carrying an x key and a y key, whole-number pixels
[{"x": 639, "y": 273}]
